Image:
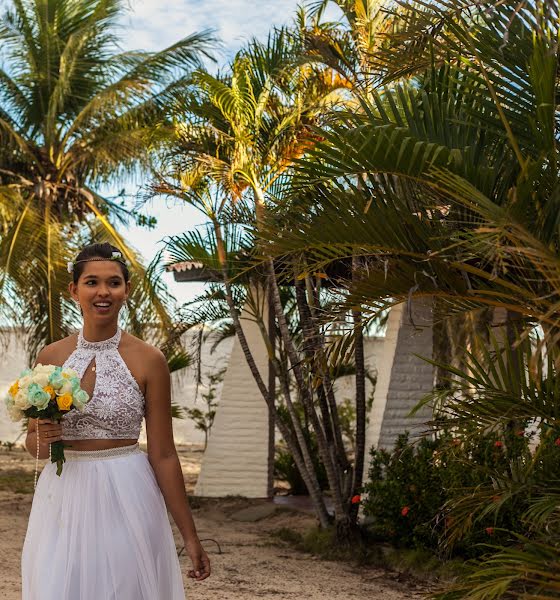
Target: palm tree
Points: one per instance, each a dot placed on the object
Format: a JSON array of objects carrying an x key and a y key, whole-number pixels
[
  {"x": 75, "y": 113},
  {"x": 350, "y": 48},
  {"x": 244, "y": 134},
  {"x": 446, "y": 156}
]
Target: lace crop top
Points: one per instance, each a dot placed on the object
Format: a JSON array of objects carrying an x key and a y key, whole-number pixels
[{"x": 116, "y": 407}]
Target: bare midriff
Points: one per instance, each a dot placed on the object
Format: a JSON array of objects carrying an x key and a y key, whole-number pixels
[{"x": 97, "y": 444}]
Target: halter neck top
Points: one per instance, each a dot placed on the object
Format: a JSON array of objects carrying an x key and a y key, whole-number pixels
[{"x": 116, "y": 407}]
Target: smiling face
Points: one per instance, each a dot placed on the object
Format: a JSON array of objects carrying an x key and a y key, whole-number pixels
[{"x": 101, "y": 290}]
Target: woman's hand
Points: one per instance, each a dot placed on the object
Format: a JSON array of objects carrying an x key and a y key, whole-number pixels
[
  {"x": 49, "y": 431},
  {"x": 199, "y": 559}
]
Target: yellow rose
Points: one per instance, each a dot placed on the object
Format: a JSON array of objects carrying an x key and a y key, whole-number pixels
[
  {"x": 64, "y": 402},
  {"x": 50, "y": 390},
  {"x": 14, "y": 388}
]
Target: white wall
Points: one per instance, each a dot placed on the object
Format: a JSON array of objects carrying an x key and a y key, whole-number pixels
[
  {"x": 236, "y": 459},
  {"x": 11, "y": 365}
]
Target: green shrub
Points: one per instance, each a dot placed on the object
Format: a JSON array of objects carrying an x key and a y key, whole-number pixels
[{"x": 455, "y": 494}]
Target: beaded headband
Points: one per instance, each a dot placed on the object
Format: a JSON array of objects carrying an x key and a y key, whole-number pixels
[{"x": 114, "y": 256}]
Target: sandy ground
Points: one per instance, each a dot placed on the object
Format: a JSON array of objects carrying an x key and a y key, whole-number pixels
[{"x": 252, "y": 563}]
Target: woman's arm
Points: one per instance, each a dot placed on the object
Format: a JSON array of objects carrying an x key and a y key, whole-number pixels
[{"x": 165, "y": 462}]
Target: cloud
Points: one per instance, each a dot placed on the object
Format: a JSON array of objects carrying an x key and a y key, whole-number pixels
[{"x": 155, "y": 24}]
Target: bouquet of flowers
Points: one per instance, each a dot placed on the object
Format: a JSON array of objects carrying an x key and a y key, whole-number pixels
[{"x": 46, "y": 392}]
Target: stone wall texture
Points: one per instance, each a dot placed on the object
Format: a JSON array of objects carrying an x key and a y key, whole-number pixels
[{"x": 410, "y": 377}]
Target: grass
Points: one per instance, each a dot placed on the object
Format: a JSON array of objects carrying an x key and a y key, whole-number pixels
[
  {"x": 317, "y": 541},
  {"x": 17, "y": 481},
  {"x": 419, "y": 564},
  {"x": 423, "y": 564}
]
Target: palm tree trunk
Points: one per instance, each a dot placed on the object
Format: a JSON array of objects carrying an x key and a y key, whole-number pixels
[
  {"x": 360, "y": 409},
  {"x": 307, "y": 400},
  {"x": 271, "y": 396},
  {"x": 314, "y": 349},
  {"x": 311, "y": 352},
  {"x": 284, "y": 379},
  {"x": 328, "y": 387}
]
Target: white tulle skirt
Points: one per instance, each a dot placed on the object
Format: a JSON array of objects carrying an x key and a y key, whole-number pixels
[{"x": 100, "y": 531}]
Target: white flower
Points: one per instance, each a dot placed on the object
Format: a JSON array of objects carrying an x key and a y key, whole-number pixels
[
  {"x": 24, "y": 382},
  {"x": 39, "y": 375},
  {"x": 69, "y": 266},
  {"x": 21, "y": 401},
  {"x": 65, "y": 388},
  {"x": 41, "y": 378}
]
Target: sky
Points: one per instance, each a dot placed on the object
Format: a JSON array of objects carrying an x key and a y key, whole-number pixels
[{"x": 155, "y": 24}]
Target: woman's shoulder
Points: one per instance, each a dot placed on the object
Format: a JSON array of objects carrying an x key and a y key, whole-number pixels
[{"x": 57, "y": 352}]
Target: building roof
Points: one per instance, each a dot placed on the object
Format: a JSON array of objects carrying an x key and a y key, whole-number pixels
[{"x": 190, "y": 270}]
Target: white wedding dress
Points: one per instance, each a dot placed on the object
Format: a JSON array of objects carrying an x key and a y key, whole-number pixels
[{"x": 100, "y": 531}]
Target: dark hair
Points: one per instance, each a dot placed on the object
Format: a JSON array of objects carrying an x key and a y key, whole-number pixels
[{"x": 104, "y": 250}]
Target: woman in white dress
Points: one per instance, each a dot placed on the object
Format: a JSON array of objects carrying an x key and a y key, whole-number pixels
[{"x": 100, "y": 531}]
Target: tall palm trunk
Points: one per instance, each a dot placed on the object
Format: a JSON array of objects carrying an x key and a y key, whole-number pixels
[
  {"x": 271, "y": 396},
  {"x": 331, "y": 468},
  {"x": 360, "y": 379},
  {"x": 316, "y": 348}
]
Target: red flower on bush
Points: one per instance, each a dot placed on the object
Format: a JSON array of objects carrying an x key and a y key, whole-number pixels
[
  {"x": 498, "y": 444},
  {"x": 356, "y": 499},
  {"x": 520, "y": 433},
  {"x": 490, "y": 530},
  {"x": 557, "y": 442},
  {"x": 405, "y": 510}
]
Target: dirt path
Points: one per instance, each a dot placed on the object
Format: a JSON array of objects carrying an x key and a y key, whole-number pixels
[{"x": 252, "y": 563}]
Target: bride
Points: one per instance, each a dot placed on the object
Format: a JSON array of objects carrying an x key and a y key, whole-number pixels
[{"x": 100, "y": 531}]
